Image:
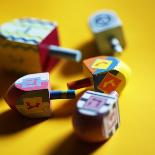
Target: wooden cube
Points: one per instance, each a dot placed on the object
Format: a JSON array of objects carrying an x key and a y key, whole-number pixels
[
  {"x": 23, "y": 42},
  {"x": 97, "y": 116},
  {"x": 108, "y": 32},
  {"x": 104, "y": 73}
]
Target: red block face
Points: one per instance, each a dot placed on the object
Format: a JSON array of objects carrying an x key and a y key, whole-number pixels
[{"x": 29, "y": 95}]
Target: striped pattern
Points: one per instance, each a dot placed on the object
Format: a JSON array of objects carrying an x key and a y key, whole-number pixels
[
  {"x": 57, "y": 94},
  {"x": 27, "y": 30}
]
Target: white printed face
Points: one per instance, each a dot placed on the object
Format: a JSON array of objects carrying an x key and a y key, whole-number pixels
[
  {"x": 104, "y": 20},
  {"x": 27, "y": 30}
]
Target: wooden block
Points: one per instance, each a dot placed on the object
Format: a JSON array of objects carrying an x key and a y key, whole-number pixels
[
  {"x": 107, "y": 29},
  {"x": 30, "y": 95},
  {"x": 23, "y": 42},
  {"x": 96, "y": 117},
  {"x": 106, "y": 74}
]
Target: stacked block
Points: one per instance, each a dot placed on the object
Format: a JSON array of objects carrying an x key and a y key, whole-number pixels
[
  {"x": 104, "y": 73},
  {"x": 107, "y": 29},
  {"x": 30, "y": 95},
  {"x": 96, "y": 117}
]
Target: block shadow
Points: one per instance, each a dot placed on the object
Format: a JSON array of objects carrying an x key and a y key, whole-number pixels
[
  {"x": 11, "y": 123},
  {"x": 71, "y": 145},
  {"x": 67, "y": 108},
  {"x": 6, "y": 79},
  {"x": 88, "y": 49}
]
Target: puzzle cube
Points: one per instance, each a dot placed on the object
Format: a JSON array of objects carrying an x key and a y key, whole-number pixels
[
  {"x": 96, "y": 117},
  {"x": 30, "y": 45},
  {"x": 30, "y": 95},
  {"x": 104, "y": 73},
  {"x": 108, "y": 32}
]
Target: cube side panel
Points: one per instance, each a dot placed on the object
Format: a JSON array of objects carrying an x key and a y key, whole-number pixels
[
  {"x": 111, "y": 121},
  {"x": 103, "y": 39},
  {"x": 19, "y": 57},
  {"x": 47, "y": 61}
]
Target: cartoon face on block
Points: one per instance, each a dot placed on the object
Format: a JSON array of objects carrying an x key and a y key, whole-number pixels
[
  {"x": 33, "y": 82},
  {"x": 34, "y": 102},
  {"x": 104, "y": 20},
  {"x": 27, "y": 30}
]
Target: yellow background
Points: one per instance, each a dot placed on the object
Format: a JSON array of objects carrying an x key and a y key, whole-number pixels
[{"x": 54, "y": 136}]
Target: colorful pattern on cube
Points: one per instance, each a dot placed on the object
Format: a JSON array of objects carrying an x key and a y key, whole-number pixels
[
  {"x": 109, "y": 73},
  {"x": 23, "y": 42},
  {"x": 97, "y": 116},
  {"x": 104, "y": 73}
]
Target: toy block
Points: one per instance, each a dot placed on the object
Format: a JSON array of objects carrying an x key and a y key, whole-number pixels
[
  {"x": 104, "y": 73},
  {"x": 30, "y": 95},
  {"x": 96, "y": 117},
  {"x": 29, "y": 45},
  {"x": 108, "y": 32}
]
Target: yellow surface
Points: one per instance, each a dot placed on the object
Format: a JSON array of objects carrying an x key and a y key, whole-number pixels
[{"x": 54, "y": 136}]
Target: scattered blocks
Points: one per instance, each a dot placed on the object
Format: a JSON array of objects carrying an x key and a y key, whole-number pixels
[
  {"x": 30, "y": 95},
  {"x": 105, "y": 74},
  {"x": 29, "y": 45},
  {"x": 107, "y": 29},
  {"x": 96, "y": 117}
]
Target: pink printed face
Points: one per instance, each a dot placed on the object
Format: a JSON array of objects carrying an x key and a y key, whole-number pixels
[
  {"x": 33, "y": 82},
  {"x": 95, "y": 103},
  {"x": 112, "y": 119}
]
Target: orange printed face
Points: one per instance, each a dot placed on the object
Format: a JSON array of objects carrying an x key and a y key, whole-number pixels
[{"x": 109, "y": 83}]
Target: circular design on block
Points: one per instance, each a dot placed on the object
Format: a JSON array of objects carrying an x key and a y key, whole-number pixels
[{"x": 102, "y": 20}]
